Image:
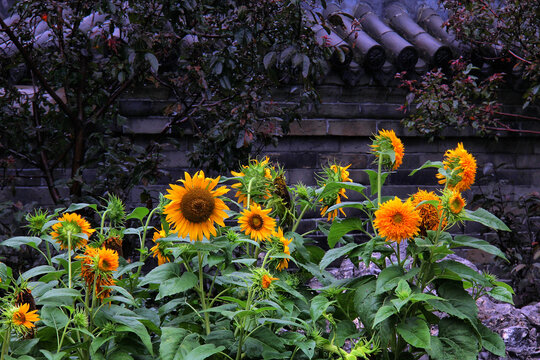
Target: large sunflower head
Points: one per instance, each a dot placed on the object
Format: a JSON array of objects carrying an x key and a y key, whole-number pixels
[
  {"x": 255, "y": 181},
  {"x": 161, "y": 249},
  {"x": 22, "y": 318},
  {"x": 74, "y": 226},
  {"x": 196, "y": 206},
  {"x": 396, "y": 220},
  {"x": 459, "y": 169},
  {"x": 389, "y": 147},
  {"x": 256, "y": 223},
  {"x": 429, "y": 213},
  {"x": 333, "y": 173}
]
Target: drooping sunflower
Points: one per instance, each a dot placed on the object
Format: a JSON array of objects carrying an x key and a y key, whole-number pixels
[
  {"x": 335, "y": 173},
  {"x": 196, "y": 206},
  {"x": 429, "y": 213},
  {"x": 387, "y": 141},
  {"x": 256, "y": 181},
  {"x": 98, "y": 265},
  {"x": 397, "y": 220},
  {"x": 256, "y": 223},
  {"x": 453, "y": 205},
  {"x": 161, "y": 249},
  {"x": 266, "y": 281},
  {"x": 74, "y": 225},
  {"x": 460, "y": 167},
  {"x": 281, "y": 245},
  {"x": 23, "y": 317}
]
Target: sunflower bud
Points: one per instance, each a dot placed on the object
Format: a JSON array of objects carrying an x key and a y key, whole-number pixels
[
  {"x": 115, "y": 210},
  {"x": 80, "y": 319},
  {"x": 262, "y": 281},
  {"x": 36, "y": 221}
]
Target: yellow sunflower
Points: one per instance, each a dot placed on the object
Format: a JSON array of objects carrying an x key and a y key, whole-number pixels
[
  {"x": 260, "y": 176},
  {"x": 73, "y": 224},
  {"x": 335, "y": 173},
  {"x": 23, "y": 317},
  {"x": 386, "y": 141},
  {"x": 107, "y": 260},
  {"x": 97, "y": 267},
  {"x": 196, "y": 206},
  {"x": 282, "y": 247},
  {"x": 256, "y": 223},
  {"x": 160, "y": 250},
  {"x": 456, "y": 203},
  {"x": 266, "y": 281},
  {"x": 460, "y": 167},
  {"x": 429, "y": 214},
  {"x": 397, "y": 220}
]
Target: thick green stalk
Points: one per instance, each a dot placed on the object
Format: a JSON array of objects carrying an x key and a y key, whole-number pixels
[
  {"x": 379, "y": 184},
  {"x": 69, "y": 258},
  {"x": 143, "y": 241},
  {"x": 103, "y": 222},
  {"x": 5, "y": 345},
  {"x": 203, "y": 294},
  {"x": 299, "y": 218}
]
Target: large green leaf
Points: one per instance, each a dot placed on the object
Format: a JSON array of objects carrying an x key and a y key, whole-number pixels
[
  {"x": 367, "y": 303},
  {"x": 388, "y": 278},
  {"x": 138, "y": 213},
  {"x": 161, "y": 273},
  {"x": 491, "y": 341},
  {"x": 54, "y": 317},
  {"x": 342, "y": 227},
  {"x": 463, "y": 240},
  {"x": 22, "y": 347},
  {"x": 374, "y": 180},
  {"x": 38, "y": 270},
  {"x": 453, "y": 293},
  {"x": 333, "y": 186},
  {"x": 204, "y": 351},
  {"x": 16, "y": 242},
  {"x": 79, "y": 206},
  {"x": 463, "y": 335},
  {"x": 177, "y": 284},
  {"x": 319, "y": 304},
  {"x": 57, "y": 297},
  {"x": 486, "y": 218},
  {"x": 415, "y": 331},
  {"x": 383, "y": 313},
  {"x": 171, "y": 338},
  {"x": 450, "y": 269},
  {"x": 334, "y": 254},
  {"x": 427, "y": 164},
  {"x": 502, "y": 294}
]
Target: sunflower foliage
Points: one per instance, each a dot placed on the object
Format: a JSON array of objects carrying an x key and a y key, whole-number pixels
[{"x": 226, "y": 269}]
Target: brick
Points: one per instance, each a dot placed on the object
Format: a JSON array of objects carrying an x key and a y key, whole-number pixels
[
  {"x": 147, "y": 92},
  {"x": 329, "y": 93},
  {"x": 396, "y": 126},
  {"x": 298, "y": 160},
  {"x": 145, "y": 125},
  {"x": 300, "y": 144},
  {"x": 528, "y": 161},
  {"x": 337, "y": 111},
  {"x": 304, "y": 176},
  {"x": 355, "y": 160},
  {"x": 381, "y": 111},
  {"x": 308, "y": 127},
  {"x": 350, "y": 145},
  {"x": 359, "y": 94},
  {"x": 354, "y": 127},
  {"x": 175, "y": 159}
]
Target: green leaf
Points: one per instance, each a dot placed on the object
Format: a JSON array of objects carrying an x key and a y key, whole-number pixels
[
  {"x": 153, "y": 61},
  {"x": 138, "y": 213},
  {"x": 161, "y": 273},
  {"x": 415, "y": 331},
  {"x": 335, "y": 254},
  {"x": 307, "y": 347},
  {"x": 171, "y": 338},
  {"x": 79, "y": 206},
  {"x": 388, "y": 278},
  {"x": 16, "y": 242},
  {"x": 428, "y": 164},
  {"x": 59, "y": 297},
  {"x": 502, "y": 294},
  {"x": 204, "y": 351},
  {"x": 337, "y": 185},
  {"x": 342, "y": 227},
  {"x": 56, "y": 356},
  {"x": 23, "y": 347},
  {"x": 491, "y": 341},
  {"x": 367, "y": 303},
  {"x": 38, "y": 270},
  {"x": 453, "y": 292},
  {"x": 374, "y": 180},
  {"x": 319, "y": 304},
  {"x": 383, "y": 313},
  {"x": 54, "y": 317},
  {"x": 463, "y": 240},
  {"x": 486, "y": 218},
  {"x": 351, "y": 204},
  {"x": 449, "y": 269},
  {"x": 176, "y": 285},
  {"x": 463, "y": 335}
]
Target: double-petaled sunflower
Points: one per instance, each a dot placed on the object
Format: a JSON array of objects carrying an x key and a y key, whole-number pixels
[
  {"x": 161, "y": 249},
  {"x": 256, "y": 223},
  {"x": 387, "y": 141},
  {"x": 196, "y": 206},
  {"x": 98, "y": 265},
  {"x": 74, "y": 225},
  {"x": 460, "y": 167},
  {"x": 429, "y": 213},
  {"x": 397, "y": 220}
]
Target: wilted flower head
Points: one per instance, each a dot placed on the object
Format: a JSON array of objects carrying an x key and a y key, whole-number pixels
[
  {"x": 98, "y": 265},
  {"x": 389, "y": 148},
  {"x": 429, "y": 213}
]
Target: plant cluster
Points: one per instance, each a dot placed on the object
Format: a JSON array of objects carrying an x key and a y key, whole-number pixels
[{"x": 236, "y": 281}]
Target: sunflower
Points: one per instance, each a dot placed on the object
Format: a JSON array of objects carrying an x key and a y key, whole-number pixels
[
  {"x": 429, "y": 214},
  {"x": 196, "y": 206},
  {"x": 161, "y": 249},
  {"x": 387, "y": 141},
  {"x": 256, "y": 223},
  {"x": 397, "y": 220},
  {"x": 335, "y": 173},
  {"x": 23, "y": 317},
  {"x": 98, "y": 265},
  {"x": 266, "y": 281},
  {"x": 456, "y": 203},
  {"x": 256, "y": 181},
  {"x": 282, "y": 246},
  {"x": 460, "y": 168},
  {"x": 72, "y": 224}
]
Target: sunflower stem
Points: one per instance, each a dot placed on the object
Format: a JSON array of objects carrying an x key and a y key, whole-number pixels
[
  {"x": 5, "y": 345},
  {"x": 103, "y": 222},
  {"x": 295, "y": 226},
  {"x": 247, "y": 208},
  {"x": 241, "y": 338},
  {"x": 142, "y": 256},
  {"x": 202, "y": 293},
  {"x": 379, "y": 185},
  {"x": 69, "y": 258}
]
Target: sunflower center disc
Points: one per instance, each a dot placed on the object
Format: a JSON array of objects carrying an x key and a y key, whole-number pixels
[
  {"x": 256, "y": 222},
  {"x": 397, "y": 218},
  {"x": 197, "y": 205}
]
